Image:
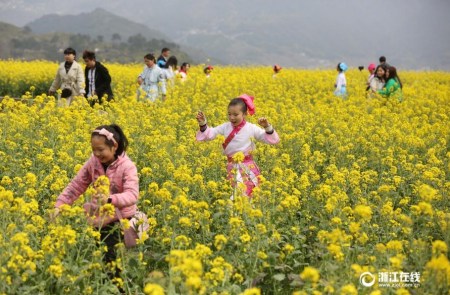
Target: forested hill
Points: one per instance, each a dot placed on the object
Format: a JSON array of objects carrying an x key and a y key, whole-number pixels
[{"x": 113, "y": 38}]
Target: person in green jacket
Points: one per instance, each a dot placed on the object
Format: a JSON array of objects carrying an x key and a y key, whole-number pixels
[{"x": 393, "y": 86}]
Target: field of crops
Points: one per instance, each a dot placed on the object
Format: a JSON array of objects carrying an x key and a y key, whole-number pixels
[{"x": 357, "y": 185}]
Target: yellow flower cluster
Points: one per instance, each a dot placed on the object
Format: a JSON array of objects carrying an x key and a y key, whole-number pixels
[{"x": 355, "y": 185}]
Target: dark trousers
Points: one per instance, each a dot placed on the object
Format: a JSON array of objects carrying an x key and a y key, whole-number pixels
[{"x": 111, "y": 235}]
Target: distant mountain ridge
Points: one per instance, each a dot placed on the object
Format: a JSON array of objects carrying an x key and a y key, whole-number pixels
[
  {"x": 23, "y": 43},
  {"x": 98, "y": 22},
  {"x": 312, "y": 34},
  {"x": 103, "y": 25}
]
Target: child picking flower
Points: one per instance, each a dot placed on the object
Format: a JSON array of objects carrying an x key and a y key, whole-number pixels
[
  {"x": 115, "y": 181},
  {"x": 238, "y": 145}
]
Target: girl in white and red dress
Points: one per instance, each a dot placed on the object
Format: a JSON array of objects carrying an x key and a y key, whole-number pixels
[{"x": 238, "y": 133}]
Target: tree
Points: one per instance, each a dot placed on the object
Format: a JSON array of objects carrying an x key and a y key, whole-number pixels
[
  {"x": 137, "y": 41},
  {"x": 116, "y": 37}
]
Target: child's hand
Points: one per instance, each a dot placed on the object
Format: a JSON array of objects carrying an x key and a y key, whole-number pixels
[
  {"x": 54, "y": 214},
  {"x": 101, "y": 199},
  {"x": 201, "y": 119},
  {"x": 263, "y": 122}
]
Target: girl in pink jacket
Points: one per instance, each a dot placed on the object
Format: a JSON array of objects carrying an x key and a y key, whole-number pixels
[
  {"x": 238, "y": 134},
  {"x": 108, "y": 158}
]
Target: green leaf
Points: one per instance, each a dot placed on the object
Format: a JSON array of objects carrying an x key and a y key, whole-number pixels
[{"x": 279, "y": 277}]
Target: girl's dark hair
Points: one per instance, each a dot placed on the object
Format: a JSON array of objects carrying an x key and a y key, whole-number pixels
[
  {"x": 70, "y": 50},
  {"x": 383, "y": 67},
  {"x": 208, "y": 68},
  {"x": 393, "y": 75},
  {"x": 184, "y": 65},
  {"x": 150, "y": 57},
  {"x": 88, "y": 55},
  {"x": 339, "y": 67},
  {"x": 119, "y": 136},
  {"x": 238, "y": 101},
  {"x": 171, "y": 62}
]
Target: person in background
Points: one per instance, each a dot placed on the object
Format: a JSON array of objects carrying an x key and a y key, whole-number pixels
[
  {"x": 69, "y": 77},
  {"x": 207, "y": 70},
  {"x": 371, "y": 69},
  {"x": 341, "y": 82},
  {"x": 184, "y": 70},
  {"x": 377, "y": 83},
  {"x": 163, "y": 58},
  {"x": 98, "y": 80},
  {"x": 152, "y": 80},
  {"x": 276, "y": 70},
  {"x": 170, "y": 68},
  {"x": 382, "y": 61},
  {"x": 393, "y": 86}
]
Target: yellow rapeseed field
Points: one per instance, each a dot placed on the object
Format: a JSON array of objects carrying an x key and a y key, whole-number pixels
[{"x": 355, "y": 194}]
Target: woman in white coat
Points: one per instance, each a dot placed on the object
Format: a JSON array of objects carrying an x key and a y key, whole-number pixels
[{"x": 69, "y": 77}]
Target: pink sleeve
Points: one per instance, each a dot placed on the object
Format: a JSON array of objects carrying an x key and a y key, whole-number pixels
[
  {"x": 210, "y": 133},
  {"x": 76, "y": 187},
  {"x": 261, "y": 135},
  {"x": 130, "y": 193}
]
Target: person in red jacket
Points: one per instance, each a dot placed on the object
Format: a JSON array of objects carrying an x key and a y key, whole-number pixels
[{"x": 109, "y": 145}]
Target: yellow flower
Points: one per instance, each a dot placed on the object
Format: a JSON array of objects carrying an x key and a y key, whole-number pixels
[
  {"x": 101, "y": 185},
  {"x": 220, "y": 241},
  {"x": 364, "y": 212},
  {"x": 153, "y": 289},
  {"x": 395, "y": 245},
  {"x": 438, "y": 270},
  {"x": 427, "y": 193},
  {"x": 56, "y": 270},
  {"x": 261, "y": 255},
  {"x": 251, "y": 291},
  {"x": 185, "y": 221},
  {"x": 439, "y": 247},
  {"x": 310, "y": 274},
  {"x": 349, "y": 289},
  {"x": 245, "y": 238},
  {"x": 238, "y": 157},
  {"x": 288, "y": 248}
]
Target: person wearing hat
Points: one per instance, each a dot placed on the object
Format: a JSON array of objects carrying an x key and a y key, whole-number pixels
[
  {"x": 371, "y": 69},
  {"x": 207, "y": 70},
  {"x": 69, "y": 77},
  {"x": 341, "y": 82}
]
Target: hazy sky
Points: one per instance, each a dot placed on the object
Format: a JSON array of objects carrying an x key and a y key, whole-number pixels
[{"x": 416, "y": 33}]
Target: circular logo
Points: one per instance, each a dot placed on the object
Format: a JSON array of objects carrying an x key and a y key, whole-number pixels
[{"x": 367, "y": 279}]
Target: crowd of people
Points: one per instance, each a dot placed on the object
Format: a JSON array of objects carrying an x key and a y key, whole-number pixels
[
  {"x": 383, "y": 80},
  {"x": 95, "y": 83}
]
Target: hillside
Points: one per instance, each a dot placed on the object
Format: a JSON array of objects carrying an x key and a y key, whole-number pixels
[
  {"x": 320, "y": 33},
  {"x": 23, "y": 43},
  {"x": 99, "y": 24}
]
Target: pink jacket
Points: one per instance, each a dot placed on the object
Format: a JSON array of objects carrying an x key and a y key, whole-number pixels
[{"x": 124, "y": 184}]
